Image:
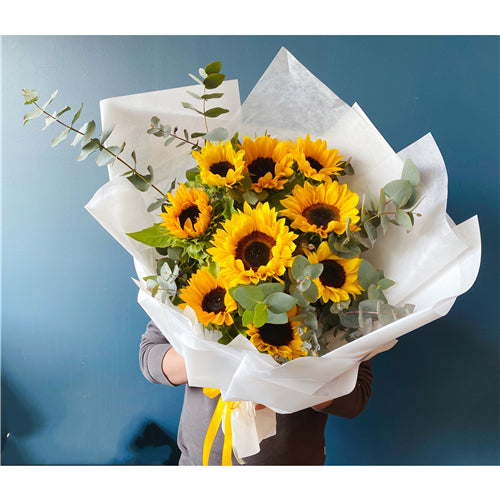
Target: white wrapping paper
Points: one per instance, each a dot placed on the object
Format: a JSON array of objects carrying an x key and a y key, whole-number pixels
[{"x": 432, "y": 265}]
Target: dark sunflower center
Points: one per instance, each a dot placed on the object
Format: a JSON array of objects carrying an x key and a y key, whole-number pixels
[
  {"x": 213, "y": 302},
  {"x": 190, "y": 213},
  {"x": 221, "y": 168},
  {"x": 276, "y": 335},
  {"x": 260, "y": 167},
  {"x": 320, "y": 214},
  {"x": 255, "y": 250},
  {"x": 333, "y": 274},
  {"x": 314, "y": 163}
]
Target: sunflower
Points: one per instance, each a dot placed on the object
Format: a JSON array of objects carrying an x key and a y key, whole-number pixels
[
  {"x": 282, "y": 340},
  {"x": 209, "y": 299},
  {"x": 253, "y": 245},
  {"x": 339, "y": 278},
  {"x": 321, "y": 209},
  {"x": 219, "y": 164},
  {"x": 315, "y": 159},
  {"x": 188, "y": 215},
  {"x": 269, "y": 162}
]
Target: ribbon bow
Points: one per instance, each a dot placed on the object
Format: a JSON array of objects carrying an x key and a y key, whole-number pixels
[{"x": 215, "y": 422}]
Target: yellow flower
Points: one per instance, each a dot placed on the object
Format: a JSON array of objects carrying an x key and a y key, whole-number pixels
[
  {"x": 253, "y": 245},
  {"x": 188, "y": 215},
  {"x": 208, "y": 298},
  {"x": 321, "y": 209},
  {"x": 269, "y": 162},
  {"x": 339, "y": 278},
  {"x": 283, "y": 340},
  {"x": 219, "y": 164},
  {"x": 315, "y": 159}
]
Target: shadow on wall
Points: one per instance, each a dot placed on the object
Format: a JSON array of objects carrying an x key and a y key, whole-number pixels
[
  {"x": 19, "y": 420},
  {"x": 153, "y": 446}
]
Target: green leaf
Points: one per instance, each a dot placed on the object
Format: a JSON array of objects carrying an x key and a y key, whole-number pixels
[
  {"x": 106, "y": 133},
  {"x": 260, "y": 315},
  {"x": 143, "y": 182},
  {"x": 371, "y": 231},
  {"x": 52, "y": 118},
  {"x": 213, "y": 67},
  {"x": 399, "y": 191},
  {"x": 195, "y": 78},
  {"x": 88, "y": 133},
  {"x": 381, "y": 203},
  {"x": 60, "y": 137},
  {"x": 248, "y": 296},
  {"x": 77, "y": 114},
  {"x": 154, "y": 236},
  {"x": 87, "y": 150},
  {"x": 87, "y": 130},
  {"x": 192, "y": 94},
  {"x": 311, "y": 293},
  {"x": 213, "y": 80},
  {"x": 188, "y": 105},
  {"x": 250, "y": 197},
  {"x": 217, "y": 134},
  {"x": 313, "y": 271},
  {"x": 269, "y": 288},
  {"x": 214, "y": 112},
  {"x": 277, "y": 319},
  {"x": 299, "y": 264},
  {"x": 108, "y": 155},
  {"x": 280, "y": 302},
  {"x": 367, "y": 274},
  {"x": 213, "y": 95},
  {"x": 247, "y": 317},
  {"x": 30, "y": 96},
  {"x": 403, "y": 219},
  {"x": 375, "y": 293},
  {"x": 411, "y": 173},
  {"x": 385, "y": 283},
  {"x": 34, "y": 113}
]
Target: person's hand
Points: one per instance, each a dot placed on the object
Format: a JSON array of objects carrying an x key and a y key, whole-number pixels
[{"x": 174, "y": 367}]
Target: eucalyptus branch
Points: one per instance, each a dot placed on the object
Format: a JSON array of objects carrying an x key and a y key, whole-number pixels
[{"x": 99, "y": 144}]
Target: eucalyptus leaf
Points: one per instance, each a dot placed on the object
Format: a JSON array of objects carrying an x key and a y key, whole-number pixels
[
  {"x": 403, "y": 219},
  {"x": 269, "y": 288},
  {"x": 213, "y": 80},
  {"x": 213, "y": 95},
  {"x": 247, "y": 317},
  {"x": 214, "y": 112},
  {"x": 108, "y": 155},
  {"x": 411, "y": 173},
  {"x": 260, "y": 315},
  {"x": 30, "y": 96},
  {"x": 299, "y": 264},
  {"x": 248, "y": 296},
  {"x": 195, "y": 78},
  {"x": 311, "y": 293},
  {"x": 34, "y": 113},
  {"x": 87, "y": 150},
  {"x": 399, "y": 191},
  {"x": 143, "y": 182},
  {"x": 313, "y": 271},
  {"x": 217, "y": 134},
  {"x": 213, "y": 67},
  {"x": 367, "y": 274},
  {"x": 61, "y": 137},
  {"x": 276, "y": 319},
  {"x": 280, "y": 302}
]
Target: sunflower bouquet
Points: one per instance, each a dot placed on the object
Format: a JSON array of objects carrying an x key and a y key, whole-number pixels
[{"x": 284, "y": 248}]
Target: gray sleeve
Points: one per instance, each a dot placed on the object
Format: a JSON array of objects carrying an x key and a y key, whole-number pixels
[{"x": 153, "y": 347}]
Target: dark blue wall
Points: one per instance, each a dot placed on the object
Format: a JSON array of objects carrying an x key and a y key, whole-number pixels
[{"x": 72, "y": 391}]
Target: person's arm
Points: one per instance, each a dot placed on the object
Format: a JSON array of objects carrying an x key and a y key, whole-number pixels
[
  {"x": 159, "y": 361},
  {"x": 354, "y": 403}
]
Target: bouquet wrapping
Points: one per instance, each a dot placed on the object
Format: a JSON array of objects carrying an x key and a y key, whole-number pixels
[{"x": 431, "y": 265}]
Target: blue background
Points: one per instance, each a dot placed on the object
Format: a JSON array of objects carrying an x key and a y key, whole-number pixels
[{"x": 72, "y": 391}]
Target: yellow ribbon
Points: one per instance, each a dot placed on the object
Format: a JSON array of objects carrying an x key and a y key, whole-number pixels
[{"x": 215, "y": 422}]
